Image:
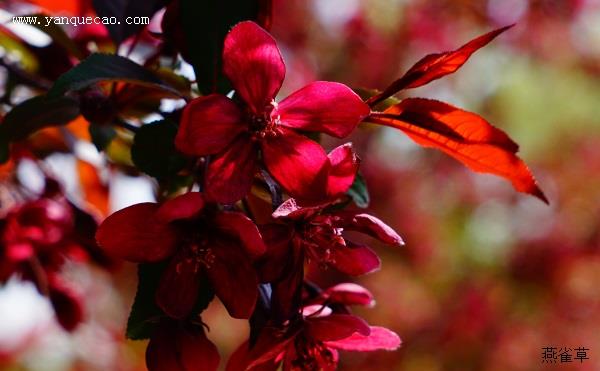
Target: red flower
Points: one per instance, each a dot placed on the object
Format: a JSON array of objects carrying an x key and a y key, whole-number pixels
[
  {"x": 315, "y": 234},
  {"x": 35, "y": 239},
  {"x": 201, "y": 242},
  {"x": 238, "y": 135},
  {"x": 178, "y": 346},
  {"x": 311, "y": 342}
]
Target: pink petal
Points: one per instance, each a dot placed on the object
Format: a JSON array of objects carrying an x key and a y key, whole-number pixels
[
  {"x": 253, "y": 64},
  {"x": 135, "y": 234},
  {"x": 344, "y": 165},
  {"x": 380, "y": 338},
  {"x": 348, "y": 294},
  {"x": 185, "y": 206},
  {"x": 233, "y": 278},
  {"x": 354, "y": 260},
  {"x": 335, "y": 327},
  {"x": 174, "y": 347},
  {"x": 208, "y": 125},
  {"x": 178, "y": 289},
  {"x": 244, "y": 229},
  {"x": 327, "y": 107},
  {"x": 299, "y": 164},
  {"x": 231, "y": 173},
  {"x": 290, "y": 209},
  {"x": 370, "y": 225}
]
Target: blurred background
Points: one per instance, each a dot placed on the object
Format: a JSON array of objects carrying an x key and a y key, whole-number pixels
[{"x": 488, "y": 277}]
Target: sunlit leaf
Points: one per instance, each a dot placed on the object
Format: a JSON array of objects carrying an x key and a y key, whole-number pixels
[
  {"x": 434, "y": 66},
  {"x": 463, "y": 135}
]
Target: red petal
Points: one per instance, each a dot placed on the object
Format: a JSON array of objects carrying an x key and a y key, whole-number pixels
[
  {"x": 355, "y": 260},
  {"x": 244, "y": 229},
  {"x": 178, "y": 289},
  {"x": 185, "y": 206},
  {"x": 434, "y": 66},
  {"x": 253, "y": 63},
  {"x": 273, "y": 264},
  {"x": 174, "y": 348},
  {"x": 287, "y": 290},
  {"x": 348, "y": 294},
  {"x": 464, "y": 136},
  {"x": 367, "y": 224},
  {"x": 380, "y": 338},
  {"x": 270, "y": 344},
  {"x": 240, "y": 359},
  {"x": 290, "y": 209},
  {"x": 299, "y": 164},
  {"x": 67, "y": 305},
  {"x": 327, "y": 107},
  {"x": 233, "y": 278},
  {"x": 335, "y": 327},
  {"x": 208, "y": 125},
  {"x": 231, "y": 173},
  {"x": 344, "y": 165},
  {"x": 135, "y": 234}
]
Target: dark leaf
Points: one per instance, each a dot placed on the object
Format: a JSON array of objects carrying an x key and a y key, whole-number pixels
[
  {"x": 106, "y": 67},
  {"x": 145, "y": 314},
  {"x": 205, "y": 25},
  {"x": 35, "y": 114},
  {"x": 359, "y": 192},
  {"x": 121, "y": 9},
  {"x": 101, "y": 135},
  {"x": 153, "y": 149}
]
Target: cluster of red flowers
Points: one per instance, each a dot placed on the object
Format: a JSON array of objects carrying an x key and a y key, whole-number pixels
[
  {"x": 210, "y": 244},
  {"x": 35, "y": 239},
  {"x": 213, "y": 242}
]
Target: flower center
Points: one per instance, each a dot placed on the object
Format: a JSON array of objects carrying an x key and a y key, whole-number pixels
[
  {"x": 265, "y": 124},
  {"x": 312, "y": 356},
  {"x": 320, "y": 240},
  {"x": 197, "y": 253}
]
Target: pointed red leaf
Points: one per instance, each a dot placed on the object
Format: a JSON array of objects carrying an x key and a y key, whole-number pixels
[
  {"x": 463, "y": 135},
  {"x": 433, "y": 66}
]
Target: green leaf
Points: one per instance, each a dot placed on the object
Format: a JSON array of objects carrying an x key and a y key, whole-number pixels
[
  {"x": 153, "y": 149},
  {"x": 205, "y": 24},
  {"x": 34, "y": 114},
  {"x": 37, "y": 113},
  {"x": 101, "y": 135},
  {"x": 106, "y": 67},
  {"x": 381, "y": 106},
  {"x": 359, "y": 192},
  {"x": 145, "y": 314}
]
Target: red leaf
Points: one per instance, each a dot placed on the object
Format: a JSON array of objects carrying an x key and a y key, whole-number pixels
[
  {"x": 433, "y": 66},
  {"x": 463, "y": 135}
]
